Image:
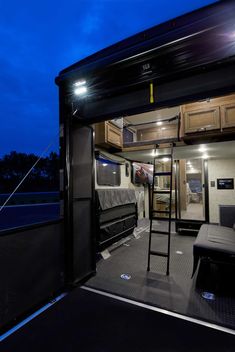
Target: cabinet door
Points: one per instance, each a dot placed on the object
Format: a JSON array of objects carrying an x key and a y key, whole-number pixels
[
  {"x": 113, "y": 135},
  {"x": 228, "y": 115},
  {"x": 202, "y": 120},
  {"x": 148, "y": 134}
]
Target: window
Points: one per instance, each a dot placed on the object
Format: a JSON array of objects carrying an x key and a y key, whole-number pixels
[{"x": 108, "y": 173}]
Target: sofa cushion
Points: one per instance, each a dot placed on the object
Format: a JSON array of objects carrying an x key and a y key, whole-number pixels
[{"x": 216, "y": 238}]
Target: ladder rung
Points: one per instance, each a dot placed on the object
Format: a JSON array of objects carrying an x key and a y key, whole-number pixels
[
  {"x": 162, "y": 192},
  {"x": 160, "y": 218},
  {"x": 160, "y": 232},
  {"x": 160, "y": 254},
  {"x": 161, "y": 211},
  {"x": 163, "y": 173}
]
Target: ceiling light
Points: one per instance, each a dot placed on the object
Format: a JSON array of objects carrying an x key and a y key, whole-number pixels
[
  {"x": 80, "y": 90},
  {"x": 163, "y": 128},
  {"x": 202, "y": 149},
  {"x": 204, "y": 156},
  {"x": 159, "y": 123},
  {"x": 154, "y": 153},
  {"x": 104, "y": 164},
  {"x": 189, "y": 163},
  {"x": 165, "y": 159},
  {"x": 114, "y": 172}
]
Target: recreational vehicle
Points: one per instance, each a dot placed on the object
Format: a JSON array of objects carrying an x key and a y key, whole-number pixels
[
  {"x": 148, "y": 163},
  {"x": 147, "y": 143}
]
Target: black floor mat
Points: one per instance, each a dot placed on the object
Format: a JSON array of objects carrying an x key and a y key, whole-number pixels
[
  {"x": 87, "y": 322},
  {"x": 177, "y": 292}
]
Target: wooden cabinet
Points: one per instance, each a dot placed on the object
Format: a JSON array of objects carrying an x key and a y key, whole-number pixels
[
  {"x": 228, "y": 115},
  {"x": 157, "y": 133},
  {"x": 202, "y": 120},
  {"x": 214, "y": 114},
  {"x": 106, "y": 135}
]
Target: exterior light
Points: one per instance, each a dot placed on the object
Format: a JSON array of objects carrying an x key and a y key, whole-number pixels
[
  {"x": 80, "y": 83},
  {"x": 232, "y": 35},
  {"x": 80, "y": 90},
  {"x": 80, "y": 87}
]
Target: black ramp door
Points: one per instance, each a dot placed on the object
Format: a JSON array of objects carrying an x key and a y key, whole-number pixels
[
  {"x": 31, "y": 268},
  {"x": 82, "y": 199}
]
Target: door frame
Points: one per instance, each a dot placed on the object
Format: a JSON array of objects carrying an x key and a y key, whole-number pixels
[{"x": 190, "y": 226}]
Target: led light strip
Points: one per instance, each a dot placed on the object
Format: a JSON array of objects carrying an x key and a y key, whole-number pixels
[{"x": 31, "y": 317}]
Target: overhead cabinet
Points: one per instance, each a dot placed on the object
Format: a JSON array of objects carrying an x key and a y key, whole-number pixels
[
  {"x": 158, "y": 133},
  {"x": 108, "y": 135},
  {"x": 228, "y": 115},
  {"x": 202, "y": 120},
  {"x": 210, "y": 115}
]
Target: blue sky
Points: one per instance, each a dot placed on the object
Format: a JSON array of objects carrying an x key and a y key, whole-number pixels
[{"x": 39, "y": 38}]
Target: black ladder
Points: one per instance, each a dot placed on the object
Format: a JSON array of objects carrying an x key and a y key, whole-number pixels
[{"x": 156, "y": 214}]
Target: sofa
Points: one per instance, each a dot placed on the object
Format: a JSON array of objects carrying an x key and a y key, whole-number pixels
[
  {"x": 215, "y": 243},
  {"x": 116, "y": 215}
]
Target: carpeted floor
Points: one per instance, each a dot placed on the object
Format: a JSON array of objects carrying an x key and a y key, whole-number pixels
[{"x": 176, "y": 292}]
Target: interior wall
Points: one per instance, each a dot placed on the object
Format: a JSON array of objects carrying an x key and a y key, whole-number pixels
[{"x": 220, "y": 168}]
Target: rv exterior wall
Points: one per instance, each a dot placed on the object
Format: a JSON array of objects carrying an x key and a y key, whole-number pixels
[{"x": 220, "y": 168}]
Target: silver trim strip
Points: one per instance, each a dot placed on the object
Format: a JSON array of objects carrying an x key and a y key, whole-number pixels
[{"x": 163, "y": 311}]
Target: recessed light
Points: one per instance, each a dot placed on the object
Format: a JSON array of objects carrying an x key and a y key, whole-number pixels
[
  {"x": 104, "y": 164},
  {"x": 202, "y": 149},
  {"x": 159, "y": 123},
  {"x": 204, "y": 156}
]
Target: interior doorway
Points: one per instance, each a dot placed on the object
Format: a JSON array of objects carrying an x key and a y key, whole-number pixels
[{"x": 191, "y": 187}]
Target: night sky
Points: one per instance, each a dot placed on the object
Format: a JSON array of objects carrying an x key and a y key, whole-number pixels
[{"x": 40, "y": 38}]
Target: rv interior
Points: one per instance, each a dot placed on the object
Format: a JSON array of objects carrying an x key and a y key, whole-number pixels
[{"x": 168, "y": 175}]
